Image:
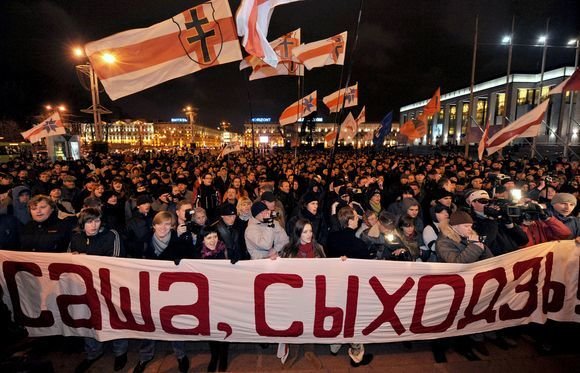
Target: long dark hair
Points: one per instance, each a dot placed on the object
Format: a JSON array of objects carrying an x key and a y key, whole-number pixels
[{"x": 291, "y": 248}]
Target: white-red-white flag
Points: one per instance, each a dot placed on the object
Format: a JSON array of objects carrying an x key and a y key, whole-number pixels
[
  {"x": 528, "y": 125},
  {"x": 288, "y": 65},
  {"x": 131, "y": 61},
  {"x": 349, "y": 96},
  {"x": 299, "y": 109},
  {"x": 483, "y": 142},
  {"x": 349, "y": 128},
  {"x": 361, "y": 117},
  {"x": 230, "y": 148},
  {"x": 253, "y": 20},
  {"x": 51, "y": 126},
  {"x": 570, "y": 84},
  {"x": 320, "y": 53}
]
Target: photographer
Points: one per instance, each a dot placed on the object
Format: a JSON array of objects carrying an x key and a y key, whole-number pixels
[
  {"x": 492, "y": 222},
  {"x": 185, "y": 228},
  {"x": 540, "y": 226},
  {"x": 264, "y": 236}
]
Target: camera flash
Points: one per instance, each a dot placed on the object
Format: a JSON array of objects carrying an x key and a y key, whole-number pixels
[{"x": 516, "y": 194}]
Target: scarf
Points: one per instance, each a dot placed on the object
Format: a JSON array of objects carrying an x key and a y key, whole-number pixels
[
  {"x": 160, "y": 244},
  {"x": 306, "y": 251},
  {"x": 376, "y": 207},
  {"x": 207, "y": 253}
]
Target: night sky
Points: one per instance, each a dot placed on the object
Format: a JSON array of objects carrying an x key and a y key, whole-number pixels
[{"x": 406, "y": 49}]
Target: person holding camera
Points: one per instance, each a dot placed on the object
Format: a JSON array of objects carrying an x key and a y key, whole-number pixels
[
  {"x": 264, "y": 236},
  {"x": 540, "y": 226},
  {"x": 492, "y": 223},
  {"x": 184, "y": 229}
]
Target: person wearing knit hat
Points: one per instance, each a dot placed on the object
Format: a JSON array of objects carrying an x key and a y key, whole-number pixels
[
  {"x": 562, "y": 206},
  {"x": 458, "y": 243},
  {"x": 264, "y": 236}
]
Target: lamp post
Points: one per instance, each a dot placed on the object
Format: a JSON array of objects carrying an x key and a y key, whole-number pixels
[
  {"x": 191, "y": 113},
  {"x": 571, "y": 108},
  {"x": 96, "y": 108},
  {"x": 542, "y": 40},
  {"x": 508, "y": 40}
]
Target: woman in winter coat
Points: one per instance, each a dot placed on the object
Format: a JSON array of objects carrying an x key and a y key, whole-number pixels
[
  {"x": 92, "y": 238},
  {"x": 212, "y": 247},
  {"x": 439, "y": 214}
]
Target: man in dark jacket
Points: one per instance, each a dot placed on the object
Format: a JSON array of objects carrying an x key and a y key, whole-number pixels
[
  {"x": 500, "y": 235},
  {"x": 312, "y": 213},
  {"x": 208, "y": 197},
  {"x": 138, "y": 230},
  {"x": 231, "y": 233}
]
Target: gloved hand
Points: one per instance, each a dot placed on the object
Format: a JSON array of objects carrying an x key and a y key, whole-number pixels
[
  {"x": 545, "y": 214},
  {"x": 177, "y": 261},
  {"x": 506, "y": 219}
]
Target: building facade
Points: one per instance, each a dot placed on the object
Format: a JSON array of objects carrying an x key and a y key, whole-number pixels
[
  {"x": 454, "y": 119},
  {"x": 270, "y": 134},
  {"x": 137, "y": 133}
]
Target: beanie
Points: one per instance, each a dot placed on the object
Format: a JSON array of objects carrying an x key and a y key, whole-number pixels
[
  {"x": 258, "y": 207},
  {"x": 268, "y": 196},
  {"x": 564, "y": 198},
  {"x": 309, "y": 197},
  {"x": 143, "y": 199},
  {"x": 460, "y": 217}
]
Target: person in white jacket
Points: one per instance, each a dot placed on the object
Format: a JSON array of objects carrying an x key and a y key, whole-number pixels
[{"x": 264, "y": 236}]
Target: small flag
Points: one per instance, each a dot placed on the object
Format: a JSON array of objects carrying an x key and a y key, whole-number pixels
[
  {"x": 361, "y": 117},
  {"x": 483, "y": 142},
  {"x": 51, "y": 126},
  {"x": 386, "y": 126},
  {"x": 320, "y": 53},
  {"x": 288, "y": 65},
  {"x": 131, "y": 61},
  {"x": 570, "y": 84},
  {"x": 415, "y": 128},
  {"x": 299, "y": 109},
  {"x": 528, "y": 125},
  {"x": 434, "y": 104},
  {"x": 230, "y": 148},
  {"x": 253, "y": 20},
  {"x": 349, "y": 96}
]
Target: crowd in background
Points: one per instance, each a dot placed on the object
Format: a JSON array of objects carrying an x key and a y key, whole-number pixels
[{"x": 378, "y": 206}]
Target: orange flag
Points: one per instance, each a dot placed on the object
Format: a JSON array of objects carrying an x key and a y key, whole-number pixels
[
  {"x": 415, "y": 128},
  {"x": 434, "y": 105}
]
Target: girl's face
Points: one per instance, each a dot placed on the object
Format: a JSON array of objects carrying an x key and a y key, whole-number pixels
[
  {"x": 210, "y": 241},
  {"x": 162, "y": 229},
  {"x": 92, "y": 226},
  {"x": 306, "y": 236},
  {"x": 408, "y": 230},
  {"x": 372, "y": 220},
  {"x": 245, "y": 208}
]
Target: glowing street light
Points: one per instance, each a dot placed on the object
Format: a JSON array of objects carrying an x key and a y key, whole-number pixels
[
  {"x": 506, "y": 39},
  {"x": 542, "y": 39},
  {"x": 96, "y": 109}
]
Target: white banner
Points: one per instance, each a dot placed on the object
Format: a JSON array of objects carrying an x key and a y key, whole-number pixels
[{"x": 289, "y": 300}]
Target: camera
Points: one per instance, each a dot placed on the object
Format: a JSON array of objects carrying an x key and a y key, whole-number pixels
[
  {"x": 269, "y": 222},
  {"x": 189, "y": 223},
  {"x": 529, "y": 211},
  {"x": 548, "y": 179}
]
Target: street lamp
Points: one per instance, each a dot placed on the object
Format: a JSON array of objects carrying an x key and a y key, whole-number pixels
[
  {"x": 191, "y": 113},
  {"x": 96, "y": 109}
]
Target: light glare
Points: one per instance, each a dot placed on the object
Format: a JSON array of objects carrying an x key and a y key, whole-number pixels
[
  {"x": 109, "y": 58},
  {"x": 506, "y": 39},
  {"x": 78, "y": 52}
]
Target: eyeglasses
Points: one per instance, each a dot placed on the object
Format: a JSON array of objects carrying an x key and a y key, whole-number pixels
[{"x": 482, "y": 201}]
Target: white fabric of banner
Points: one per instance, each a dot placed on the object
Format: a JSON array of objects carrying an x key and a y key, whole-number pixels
[{"x": 289, "y": 300}]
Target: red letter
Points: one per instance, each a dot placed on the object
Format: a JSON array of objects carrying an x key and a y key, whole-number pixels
[
  {"x": 479, "y": 281},
  {"x": 125, "y": 300},
  {"x": 199, "y": 309},
  {"x": 520, "y": 268},
  {"x": 456, "y": 283},
  {"x": 90, "y": 298},
  {"x": 351, "y": 306},
  {"x": 389, "y": 303},
  {"x": 558, "y": 288},
  {"x": 10, "y": 270},
  {"x": 261, "y": 282},
  {"x": 321, "y": 312}
]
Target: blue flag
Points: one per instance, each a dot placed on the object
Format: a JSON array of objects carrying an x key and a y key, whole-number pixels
[{"x": 386, "y": 125}]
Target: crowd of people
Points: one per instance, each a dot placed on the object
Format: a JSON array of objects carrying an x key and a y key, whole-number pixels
[{"x": 174, "y": 205}]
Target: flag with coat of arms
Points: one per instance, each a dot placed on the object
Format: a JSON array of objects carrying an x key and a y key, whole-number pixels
[{"x": 51, "y": 126}]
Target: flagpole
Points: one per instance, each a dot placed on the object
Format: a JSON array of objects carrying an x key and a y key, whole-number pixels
[
  {"x": 507, "y": 83},
  {"x": 473, "y": 62},
  {"x": 338, "y": 123},
  {"x": 545, "y": 49},
  {"x": 571, "y": 106},
  {"x": 251, "y": 118}
]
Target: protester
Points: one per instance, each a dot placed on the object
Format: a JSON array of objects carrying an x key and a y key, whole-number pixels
[
  {"x": 264, "y": 236},
  {"x": 92, "y": 238}
]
